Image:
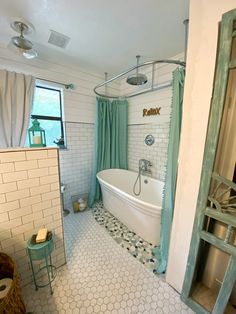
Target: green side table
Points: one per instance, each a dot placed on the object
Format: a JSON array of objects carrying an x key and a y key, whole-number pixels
[{"x": 42, "y": 251}]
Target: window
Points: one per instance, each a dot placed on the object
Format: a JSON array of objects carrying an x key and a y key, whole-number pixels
[{"x": 47, "y": 109}]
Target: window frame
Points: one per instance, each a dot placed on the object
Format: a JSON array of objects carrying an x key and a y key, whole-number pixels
[{"x": 52, "y": 118}]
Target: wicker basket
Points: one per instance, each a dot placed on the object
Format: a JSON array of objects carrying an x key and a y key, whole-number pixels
[{"x": 12, "y": 303}]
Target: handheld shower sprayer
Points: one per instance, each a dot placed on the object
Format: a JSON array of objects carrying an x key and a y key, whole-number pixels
[{"x": 143, "y": 168}]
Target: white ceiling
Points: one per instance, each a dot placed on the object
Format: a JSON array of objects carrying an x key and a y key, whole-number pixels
[{"x": 106, "y": 35}]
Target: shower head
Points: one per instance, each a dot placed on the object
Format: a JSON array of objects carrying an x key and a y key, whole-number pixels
[{"x": 137, "y": 78}]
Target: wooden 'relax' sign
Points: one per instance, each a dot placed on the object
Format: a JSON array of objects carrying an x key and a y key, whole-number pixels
[{"x": 151, "y": 111}]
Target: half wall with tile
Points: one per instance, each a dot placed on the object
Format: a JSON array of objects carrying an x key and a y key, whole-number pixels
[{"x": 29, "y": 200}]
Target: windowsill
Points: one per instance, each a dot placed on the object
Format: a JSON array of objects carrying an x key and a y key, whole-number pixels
[
  {"x": 59, "y": 147},
  {"x": 62, "y": 148}
]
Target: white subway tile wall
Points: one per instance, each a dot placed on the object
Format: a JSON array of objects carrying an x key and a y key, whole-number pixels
[
  {"x": 156, "y": 125},
  {"x": 157, "y": 153},
  {"x": 76, "y": 161},
  {"x": 30, "y": 200}
]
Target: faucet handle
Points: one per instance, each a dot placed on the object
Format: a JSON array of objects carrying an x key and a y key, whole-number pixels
[{"x": 144, "y": 163}]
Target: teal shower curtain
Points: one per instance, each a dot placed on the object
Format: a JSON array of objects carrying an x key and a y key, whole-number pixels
[
  {"x": 161, "y": 252},
  {"x": 111, "y": 140}
]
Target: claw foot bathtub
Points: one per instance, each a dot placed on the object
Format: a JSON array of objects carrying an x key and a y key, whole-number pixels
[{"x": 141, "y": 214}]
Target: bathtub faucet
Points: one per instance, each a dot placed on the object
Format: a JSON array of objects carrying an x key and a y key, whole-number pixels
[{"x": 144, "y": 166}]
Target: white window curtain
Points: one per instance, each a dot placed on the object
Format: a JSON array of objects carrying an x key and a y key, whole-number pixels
[{"x": 16, "y": 97}]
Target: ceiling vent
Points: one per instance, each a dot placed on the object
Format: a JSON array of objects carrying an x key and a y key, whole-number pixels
[{"x": 58, "y": 39}]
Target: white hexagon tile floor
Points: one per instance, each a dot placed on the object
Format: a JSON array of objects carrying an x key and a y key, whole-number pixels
[{"x": 101, "y": 277}]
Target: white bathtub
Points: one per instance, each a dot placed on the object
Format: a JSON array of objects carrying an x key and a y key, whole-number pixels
[{"x": 142, "y": 213}]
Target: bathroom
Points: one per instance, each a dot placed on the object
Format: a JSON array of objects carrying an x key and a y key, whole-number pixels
[{"x": 76, "y": 159}]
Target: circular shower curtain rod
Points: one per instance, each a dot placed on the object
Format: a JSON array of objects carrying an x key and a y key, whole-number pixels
[{"x": 106, "y": 82}]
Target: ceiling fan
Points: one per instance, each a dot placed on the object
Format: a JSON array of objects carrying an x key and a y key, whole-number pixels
[{"x": 19, "y": 43}]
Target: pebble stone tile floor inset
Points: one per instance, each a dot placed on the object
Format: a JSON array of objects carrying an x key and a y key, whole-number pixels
[
  {"x": 135, "y": 245},
  {"x": 101, "y": 277}
]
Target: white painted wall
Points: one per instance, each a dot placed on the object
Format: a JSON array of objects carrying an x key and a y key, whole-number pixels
[{"x": 203, "y": 32}]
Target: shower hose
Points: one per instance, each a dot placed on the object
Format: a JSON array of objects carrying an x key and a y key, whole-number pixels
[{"x": 138, "y": 180}]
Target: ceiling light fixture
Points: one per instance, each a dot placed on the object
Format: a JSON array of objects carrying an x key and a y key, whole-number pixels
[{"x": 23, "y": 45}]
